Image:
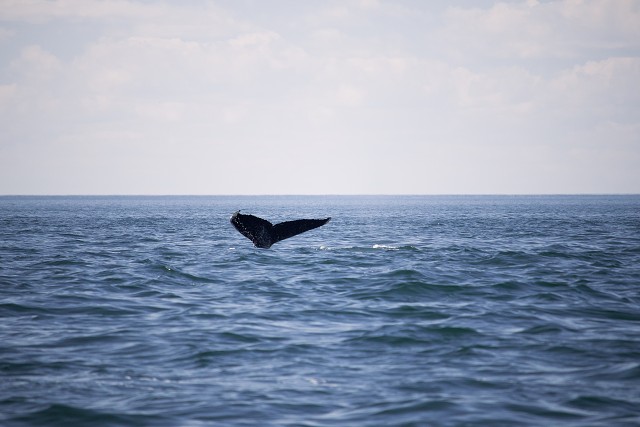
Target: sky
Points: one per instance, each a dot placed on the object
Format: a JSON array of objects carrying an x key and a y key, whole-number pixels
[{"x": 319, "y": 97}]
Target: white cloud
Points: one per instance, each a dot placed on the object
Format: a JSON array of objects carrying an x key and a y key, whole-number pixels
[
  {"x": 533, "y": 30},
  {"x": 7, "y": 96},
  {"x": 42, "y": 10},
  {"x": 349, "y": 96},
  {"x": 598, "y": 90},
  {"x": 35, "y": 63},
  {"x": 5, "y": 34},
  {"x": 338, "y": 96}
]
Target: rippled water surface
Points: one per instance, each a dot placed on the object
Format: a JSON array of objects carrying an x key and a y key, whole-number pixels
[{"x": 154, "y": 311}]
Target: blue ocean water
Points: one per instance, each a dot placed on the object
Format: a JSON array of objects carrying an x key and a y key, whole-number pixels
[{"x": 402, "y": 311}]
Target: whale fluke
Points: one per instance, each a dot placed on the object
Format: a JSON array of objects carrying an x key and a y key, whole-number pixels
[{"x": 263, "y": 234}]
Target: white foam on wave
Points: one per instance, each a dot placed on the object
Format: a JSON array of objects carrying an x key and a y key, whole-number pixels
[{"x": 385, "y": 247}]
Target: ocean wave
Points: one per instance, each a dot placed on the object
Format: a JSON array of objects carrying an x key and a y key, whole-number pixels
[
  {"x": 510, "y": 311},
  {"x": 67, "y": 415},
  {"x": 372, "y": 248}
]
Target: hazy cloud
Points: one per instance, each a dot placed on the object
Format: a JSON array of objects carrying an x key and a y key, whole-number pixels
[{"x": 330, "y": 97}]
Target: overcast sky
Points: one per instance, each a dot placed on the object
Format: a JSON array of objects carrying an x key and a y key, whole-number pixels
[{"x": 319, "y": 97}]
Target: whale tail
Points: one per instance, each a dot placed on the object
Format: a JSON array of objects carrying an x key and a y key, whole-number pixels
[{"x": 263, "y": 234}]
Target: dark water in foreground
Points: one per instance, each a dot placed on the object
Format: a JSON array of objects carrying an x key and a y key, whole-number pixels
[{"x": 154, "y": 311}]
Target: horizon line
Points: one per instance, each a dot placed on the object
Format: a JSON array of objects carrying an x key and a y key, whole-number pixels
[{"x": 314, "y": 194}]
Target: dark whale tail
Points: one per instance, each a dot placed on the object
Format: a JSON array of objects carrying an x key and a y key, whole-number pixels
[{"x": 263, "y": 234}]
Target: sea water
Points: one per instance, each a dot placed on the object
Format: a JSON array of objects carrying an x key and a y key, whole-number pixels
[{"x": 401, "y": 311}]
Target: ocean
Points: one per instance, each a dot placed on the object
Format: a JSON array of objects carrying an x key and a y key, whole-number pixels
[{"x": 401, "y": 311}]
